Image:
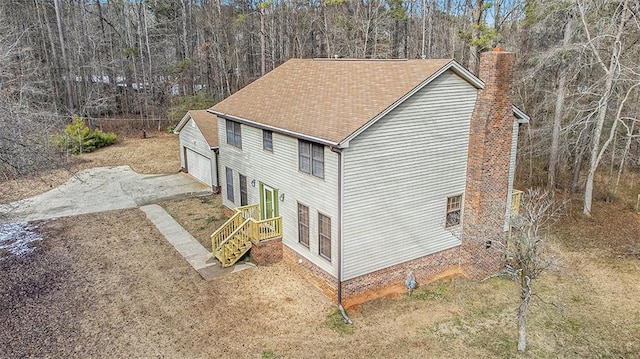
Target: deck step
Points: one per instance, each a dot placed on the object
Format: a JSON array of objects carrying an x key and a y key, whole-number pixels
[{"x": 237, "y": 250}]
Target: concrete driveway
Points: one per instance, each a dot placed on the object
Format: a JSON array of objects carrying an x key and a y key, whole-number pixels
[{"x": 102, "y": 189}]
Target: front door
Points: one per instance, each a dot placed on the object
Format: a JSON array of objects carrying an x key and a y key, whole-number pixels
[{"x": 268, "y": 202}]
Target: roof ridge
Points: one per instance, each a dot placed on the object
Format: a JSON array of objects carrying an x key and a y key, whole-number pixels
[{"x": 356, "y": 59}]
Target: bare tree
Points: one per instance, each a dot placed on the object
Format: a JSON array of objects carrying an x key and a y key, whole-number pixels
[
  {"x": 26, "y": 119},
  {"x": 559, "y": 112},
  {"x": 611, "y": 66},
  {"x": 526, "y": 254},
  {"x": 63, "y": 49}
]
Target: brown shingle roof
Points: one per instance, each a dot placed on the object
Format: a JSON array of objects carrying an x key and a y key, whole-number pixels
[
  {"x": 208, "y": 125},
  {"x": 327, "y": 99}
]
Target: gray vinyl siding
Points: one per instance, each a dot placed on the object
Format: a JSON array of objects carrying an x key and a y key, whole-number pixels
[
  {"x": 398, "y": 175},
  {"x": 279, "y": 169},
  {"x": 192, "y": 138},
  {"x": 512, "y": 171}
]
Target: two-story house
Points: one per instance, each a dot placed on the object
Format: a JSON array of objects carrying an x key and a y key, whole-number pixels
[{"x": 364, "y": 170}]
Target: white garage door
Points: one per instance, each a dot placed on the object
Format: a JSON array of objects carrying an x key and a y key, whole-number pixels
[{"x": 199, "y": 166}]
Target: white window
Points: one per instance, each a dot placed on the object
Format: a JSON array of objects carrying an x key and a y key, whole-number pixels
[
  {"x": 243, "y": 190},
  {"x": 311, "y": 158},
  {"x": 229, "y": 173},
  {"x": 454, "y": 211},
  {"x": 303, "y": 225},
  {"x": 324, "y": 236},
  {"x": 267, "y": 140},
  {"x": 234, "y": 134}
]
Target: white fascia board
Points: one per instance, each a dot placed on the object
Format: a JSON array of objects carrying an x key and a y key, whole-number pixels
[
  {"x": 453, "y": 65},
  {"x": 182, "y": 123},
  {"x": 466, "y": 74},
  {"x": 274, "y": 129}
]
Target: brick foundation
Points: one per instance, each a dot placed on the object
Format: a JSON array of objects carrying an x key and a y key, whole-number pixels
[
  {"x": 314, "y": 274},
  {"x": 267, "y": 252},
  {"x": 390, "y": 280},
  {"x": 382, "y": 283},
  {"x": 228, "y": 211}
]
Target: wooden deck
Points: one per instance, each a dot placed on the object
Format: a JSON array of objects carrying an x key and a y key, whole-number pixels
[
  {"x": 234, "y": 238},
  {"x": 516, "y": 197}
]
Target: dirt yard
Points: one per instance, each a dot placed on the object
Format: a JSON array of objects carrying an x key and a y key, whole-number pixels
[
  {"x": 200, "y": 216},
  {"x": 109, "y": 285}
]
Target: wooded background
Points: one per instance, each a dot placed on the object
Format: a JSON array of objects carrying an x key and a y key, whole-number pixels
[{"x": 577, "y": 65}]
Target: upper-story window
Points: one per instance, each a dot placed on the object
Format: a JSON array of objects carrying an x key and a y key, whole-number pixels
[
  {"x": 267, "y": 140},
  {"x": 234, "y": 135},
  {"x": 311, "y": 158}
]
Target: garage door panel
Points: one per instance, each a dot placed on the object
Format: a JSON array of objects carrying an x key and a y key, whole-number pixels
[{"x": 199, "y": 166}]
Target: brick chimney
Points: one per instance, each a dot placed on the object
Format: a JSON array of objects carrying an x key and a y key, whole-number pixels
[{"x": 487, "y": 186}]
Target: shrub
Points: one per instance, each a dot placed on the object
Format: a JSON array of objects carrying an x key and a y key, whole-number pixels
[
  {"x": 104, "y": 139},
  {"x": 78, "y": 138}
]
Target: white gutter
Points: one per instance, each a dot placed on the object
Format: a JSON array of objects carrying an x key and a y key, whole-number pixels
[{"x": 274, "y": 129}]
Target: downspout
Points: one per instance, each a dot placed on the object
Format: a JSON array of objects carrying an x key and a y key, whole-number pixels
[
  {"x": 216, "y": 153},
  {"x": 340, "y": 206}
]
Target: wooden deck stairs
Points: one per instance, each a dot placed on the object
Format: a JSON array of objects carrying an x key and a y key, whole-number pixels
[{"x": 235, "y": 237}]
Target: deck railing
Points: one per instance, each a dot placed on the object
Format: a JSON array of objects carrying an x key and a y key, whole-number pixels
[
  {"x": 516, "y": 197},
  {"x": 250, "y": 211},
  {"x": 232, "y": 248},
  {"x": 235, "y": 237},
  {"x": 222, "y": 233},
  {"x": 266, "y": 229}
]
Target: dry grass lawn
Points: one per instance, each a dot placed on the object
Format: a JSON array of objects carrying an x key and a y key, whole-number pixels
[
  {"x": 201, "y": 216},
  {"x": 109, "y": 285}
]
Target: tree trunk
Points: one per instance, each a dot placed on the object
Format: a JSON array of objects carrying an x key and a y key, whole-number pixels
[
  {"x": 577, "y": 168},
  {"x": 63, "y": 49},
  {"x": 559, "y": 113},
  {"x": 496, "y": 14},
  {"x": 263, "y": 40},
  {"x": 476, "y": 18},
  {"x": 612, "y": 74},
  {"x": 433, "y": 5},
  {"x": 525, "y": 298},
  {"x": 624, "y": 156},
  {"x": 423, "y": 7},
  {"x": 150, "y": 71}
]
